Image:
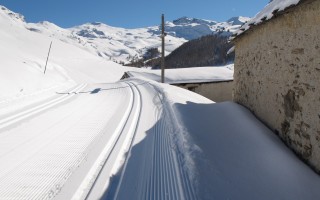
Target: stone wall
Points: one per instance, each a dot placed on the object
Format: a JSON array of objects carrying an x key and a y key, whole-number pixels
[
  {"x": 217, "y": 92},
  {"x": 277, "y": 76}
]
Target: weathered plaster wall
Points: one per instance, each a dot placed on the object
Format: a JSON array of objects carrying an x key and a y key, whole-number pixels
[
  {"x": 217, "y": 92},
  {"x": 277, "y": 76}
]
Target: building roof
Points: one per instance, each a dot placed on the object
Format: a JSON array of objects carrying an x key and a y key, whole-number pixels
[
  {"x": 271, "y": 10},
  {"x": 186, "y": 75}
]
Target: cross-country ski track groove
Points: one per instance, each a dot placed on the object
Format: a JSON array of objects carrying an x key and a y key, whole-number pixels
[
  {"x": 86, "y": 153},
  {"x": 156, "y": 172},
  {"x": 42, "y": 107},
  {"x": 51, "y": 154},
  {"x": 95, "y": 182}
]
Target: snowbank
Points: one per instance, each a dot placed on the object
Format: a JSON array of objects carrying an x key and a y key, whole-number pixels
[
  {"x": 240, "y": 158},
  {"x": 230, "y": 154}
]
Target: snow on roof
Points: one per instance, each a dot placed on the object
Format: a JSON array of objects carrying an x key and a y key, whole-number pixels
[
  {"x": 267, "y": 13},
  {"x": 187, "y": 75}
]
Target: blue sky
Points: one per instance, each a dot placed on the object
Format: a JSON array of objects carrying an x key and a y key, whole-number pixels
[{"x": 130, "y": 13}]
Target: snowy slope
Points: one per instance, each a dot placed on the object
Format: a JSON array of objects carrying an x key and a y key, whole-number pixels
[
  {"x": 22, "y": 65},
  {"x": 23, "y": 56}
]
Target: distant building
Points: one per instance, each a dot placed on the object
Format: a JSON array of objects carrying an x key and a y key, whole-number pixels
[
  {"x": 277, "y": 72},
  {"x": 214, "y": 83},
  {"x": 217, "y": 91}
]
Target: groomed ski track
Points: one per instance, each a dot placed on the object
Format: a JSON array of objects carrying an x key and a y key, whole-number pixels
[{"x": 99, "y": 141}]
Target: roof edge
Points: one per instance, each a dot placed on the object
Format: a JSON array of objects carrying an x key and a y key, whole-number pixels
[{"x": 276, "y": 13}]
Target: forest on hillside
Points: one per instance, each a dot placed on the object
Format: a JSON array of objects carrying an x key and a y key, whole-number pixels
[{"x": 210, "y": 50}]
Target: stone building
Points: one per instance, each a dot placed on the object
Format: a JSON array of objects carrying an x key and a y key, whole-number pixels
[
  {"x": 277, "y": 72},
  {"x": 214, "y": 83},
  {"x": 217, "y": 91}
]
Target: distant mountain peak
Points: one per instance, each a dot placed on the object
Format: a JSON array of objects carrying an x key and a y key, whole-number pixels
[
  {"x": 182, "y": 20},
  {"x": 190, "y": 20},
  {"x": 96, "y": 23},
  {"x": 14, "y": 16},
  {"x": 47, "y": 23},
  {"x": 238, "y": 20},
  {"x": 192, "y": 28}
]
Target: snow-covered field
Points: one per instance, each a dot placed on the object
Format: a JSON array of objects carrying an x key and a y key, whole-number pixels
[{"x": 77, "y": 132}]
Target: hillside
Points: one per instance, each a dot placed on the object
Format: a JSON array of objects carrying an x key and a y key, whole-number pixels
[
  {"x": 210, "y": 50},
  {"x": 23, "y": 57}
]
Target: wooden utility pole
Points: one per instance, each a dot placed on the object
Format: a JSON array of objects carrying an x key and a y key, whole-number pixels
[
  {"x": 45, "y": 67},
  {"x": 162, "y": 51}
]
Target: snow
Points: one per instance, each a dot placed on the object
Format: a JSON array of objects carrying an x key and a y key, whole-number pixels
[
  {"x": 77, "y": 132},
  {"x": 188, "y": 75},
  {"x": 267, "y": 13}
]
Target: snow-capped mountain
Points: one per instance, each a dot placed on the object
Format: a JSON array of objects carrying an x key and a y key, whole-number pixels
[
  {"x": 8, "y": 15},
  {"x": 192, "y": 28},
  {"x": 124, "y": 45}
]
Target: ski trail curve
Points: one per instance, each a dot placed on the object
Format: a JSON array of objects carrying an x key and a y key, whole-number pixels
[
  {"x": 121, "y": 146},
  {"x": 133, "y": 134},
  {"x": 91, "y": 179},
  {"x": 154, "y": 166}
]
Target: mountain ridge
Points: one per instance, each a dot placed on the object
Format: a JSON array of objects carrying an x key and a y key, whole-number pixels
[{"x": 124, "y": 45}]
